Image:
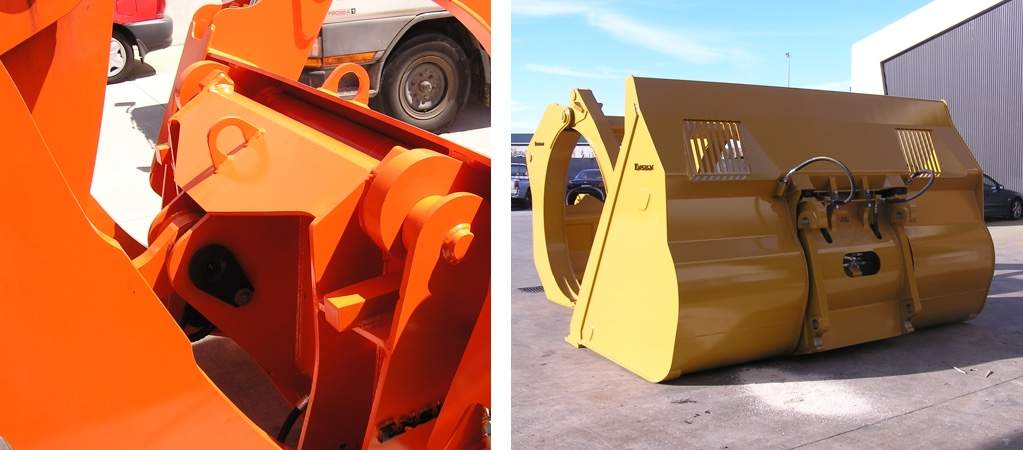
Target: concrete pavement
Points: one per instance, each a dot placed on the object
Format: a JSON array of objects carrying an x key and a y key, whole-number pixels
[
  {"x": 132, "y": 112},
  {"x": 897, "y": 393}
]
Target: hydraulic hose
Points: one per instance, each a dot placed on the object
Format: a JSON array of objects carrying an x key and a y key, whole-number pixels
[
  {"x": 915, "y": 175},
  {"x": 289, "y": 421},
  {"x": 784, "y": 180}
]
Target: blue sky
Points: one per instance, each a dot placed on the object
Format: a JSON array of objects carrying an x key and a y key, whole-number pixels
[{"x": 558, "y": 45}]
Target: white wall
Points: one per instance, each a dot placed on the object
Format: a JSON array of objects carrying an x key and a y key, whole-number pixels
[
  {"x": 181, "y": 11},
  {"x": 915, "y": 27}
]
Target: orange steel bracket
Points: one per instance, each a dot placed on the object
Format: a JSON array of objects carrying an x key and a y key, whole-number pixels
[
  {"x": 286, "y": 33},
  {"x": 358, "y": 245},
  {"x": 459, "y": 427},
  {"x": 330, "y": 85},
  {"x": 380, "y": 340},
  {"x": 367, "y": 295}
]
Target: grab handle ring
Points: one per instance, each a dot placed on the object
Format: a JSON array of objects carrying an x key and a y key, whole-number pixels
[
  {"x": 333, "y": 82},
  {"x": 250, "y": 133}
]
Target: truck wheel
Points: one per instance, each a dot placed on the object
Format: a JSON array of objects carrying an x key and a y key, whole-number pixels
[
  {"x": 426, "y": 82},
  {"x": 122, "y": 58}
]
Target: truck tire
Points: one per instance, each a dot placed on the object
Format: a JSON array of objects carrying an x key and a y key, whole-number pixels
[
  {"x": 426, "y": 82},
  {"x": 122, "y": 58}
]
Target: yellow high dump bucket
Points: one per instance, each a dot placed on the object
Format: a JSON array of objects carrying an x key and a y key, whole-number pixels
[{"x": 744, "y": 222}]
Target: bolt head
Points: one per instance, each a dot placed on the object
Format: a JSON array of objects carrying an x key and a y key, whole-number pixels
[
  {"x": 456, "y": 243},
  {"x": 243, "y": 297},
  {"x": 567, "y": 116}
]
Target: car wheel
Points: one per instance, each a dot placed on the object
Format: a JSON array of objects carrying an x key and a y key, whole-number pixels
[
  {"x": 426, "y": 82},
  {"x": 1015, "y": 209},
  {"x": 574, "y": 194},
  {"x": 122, "y": 58}
]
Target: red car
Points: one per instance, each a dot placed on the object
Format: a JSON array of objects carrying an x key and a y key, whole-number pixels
[{"x": 139, "y": 27}]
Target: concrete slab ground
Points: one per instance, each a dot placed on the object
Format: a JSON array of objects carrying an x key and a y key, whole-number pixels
[{"x": 899, "y": 393}]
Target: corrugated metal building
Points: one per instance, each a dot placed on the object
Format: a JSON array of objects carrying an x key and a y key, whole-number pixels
[{"x": 976, "y": 66}]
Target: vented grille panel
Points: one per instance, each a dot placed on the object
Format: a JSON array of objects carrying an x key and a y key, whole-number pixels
[
  {"x": 714, "y": 150},
  {"x": 918, "y": 149}
]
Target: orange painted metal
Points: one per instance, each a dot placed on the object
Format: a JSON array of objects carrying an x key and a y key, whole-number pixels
[
  {"x": 345, "y": 251},
  {"x": 365, "y": 238},
  {"x": 113, "y": 370},
  {"x": 330, "y": 85},
  {"x": 474, "y": 14},
  {"x": 275, "y": 36},
  {"x": 50, "y": 78}
]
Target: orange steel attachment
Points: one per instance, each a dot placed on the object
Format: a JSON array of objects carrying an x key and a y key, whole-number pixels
[{"x": 345, "y": 251}]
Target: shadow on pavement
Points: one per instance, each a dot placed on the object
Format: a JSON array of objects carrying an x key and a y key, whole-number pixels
[
  {"x": 142, "y": 70},
  {"x": 147, "y": 119},
  {"x": 243, "y": 381},
  {"x": 1003, "y": 223},
  {"x": 518, "y": 205},
  {"x": 475, "y": 115},
  {"x": 993, "y": 336},
  {"x": 1006, "y": 282},
  {"x": 1014, "y": 440}
]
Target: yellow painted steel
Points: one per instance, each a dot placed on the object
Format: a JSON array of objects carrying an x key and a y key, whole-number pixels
[{"x": 706, "y": 253}]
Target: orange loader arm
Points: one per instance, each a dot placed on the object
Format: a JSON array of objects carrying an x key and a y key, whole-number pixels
[{"x": 346, "y": 252}]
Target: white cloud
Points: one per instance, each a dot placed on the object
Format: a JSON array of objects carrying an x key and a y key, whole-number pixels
[
  {"x": 626, "y": 29},
  {"x": 547, "y": 8},
  {"x": 563, "y": 71}
]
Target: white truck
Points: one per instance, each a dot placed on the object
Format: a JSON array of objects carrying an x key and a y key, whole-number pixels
[{"x": 423, "y": 65}]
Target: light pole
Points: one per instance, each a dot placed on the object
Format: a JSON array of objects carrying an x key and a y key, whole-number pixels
[{"x": 788, "y": 70}]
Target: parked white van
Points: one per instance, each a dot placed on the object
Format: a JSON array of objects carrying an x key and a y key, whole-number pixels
[{"x": 423, "y": 64}]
